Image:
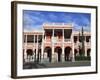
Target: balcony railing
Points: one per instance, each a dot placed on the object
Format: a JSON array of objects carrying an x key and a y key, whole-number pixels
[
  {"x": 57, "y": 40},
  {"x": 56, "y": 24},
  {"x": 32, "y": 44},
  {"x": 80, "y": 44},
  {"x": 88, "y": 43},
  {"x": 67, "y": 40}
]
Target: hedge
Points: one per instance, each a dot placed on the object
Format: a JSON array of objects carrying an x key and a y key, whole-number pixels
[{"x": 82, "y": 58}]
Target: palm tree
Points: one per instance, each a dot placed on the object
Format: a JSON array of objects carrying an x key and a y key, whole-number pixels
[
  {"x": 80, "y": 44},
  {"x": 83, "y": 47}
]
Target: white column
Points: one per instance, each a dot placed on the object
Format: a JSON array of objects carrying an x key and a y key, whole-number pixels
[
  {"x": 45, "y": 36},
  {"x": 77, "y": 45},
  {"x": 42, "y": 47},
  {"x": 37, "y": 47},
  {"x": 85, "y": 45},
  {"x": 63, "y": 35},
  {"x": 25, "y": 54},
  {"x": 34, "y": 42},
  {"x": 34, "y": 49},
  {"x": 73, "y": 57},
  {"x": 53, "y": 46},
  {"x": 63, "y": 59}
]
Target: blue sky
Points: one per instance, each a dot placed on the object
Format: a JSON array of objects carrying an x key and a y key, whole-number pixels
[{"x": 33, "y": 20}]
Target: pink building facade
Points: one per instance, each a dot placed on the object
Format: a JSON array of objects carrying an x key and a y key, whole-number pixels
[{"x": 57, "y": 42}]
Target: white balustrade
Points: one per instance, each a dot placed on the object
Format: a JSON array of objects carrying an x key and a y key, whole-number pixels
[{"x": 67, "y": 40}]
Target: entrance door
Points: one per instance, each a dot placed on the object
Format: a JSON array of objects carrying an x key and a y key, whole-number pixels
[
  {"x": 88, "y": 52},
  {"x": 59, "y": 52},
  {"x": 48, "y": 51},
  {"x": 67, "y": 53},
  {"x": 29, "y": 54}
]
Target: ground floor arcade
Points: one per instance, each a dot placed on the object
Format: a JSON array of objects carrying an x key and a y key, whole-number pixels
[{"x": 60, "y": 54}]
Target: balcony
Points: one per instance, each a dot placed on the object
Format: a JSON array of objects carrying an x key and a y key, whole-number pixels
[
  {"x": 47, "y": 40},
  {"x": 55, "y": 40},
  {"x": 30, "y": 45},
  {"x": 88, "y": 44},
  {"x": 67, "y": 40}
]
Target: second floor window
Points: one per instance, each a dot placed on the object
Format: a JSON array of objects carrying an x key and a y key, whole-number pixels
[{"x": 30, "y": 38}]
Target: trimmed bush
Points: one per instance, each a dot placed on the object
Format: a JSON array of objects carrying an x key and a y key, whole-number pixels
[{"x": 82, "y": 58}]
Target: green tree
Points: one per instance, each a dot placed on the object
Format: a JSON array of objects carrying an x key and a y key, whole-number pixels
[{"x": 81, "y": 40}]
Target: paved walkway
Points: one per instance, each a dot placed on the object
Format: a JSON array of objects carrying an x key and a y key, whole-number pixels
[{"x": 32, "y": 65}]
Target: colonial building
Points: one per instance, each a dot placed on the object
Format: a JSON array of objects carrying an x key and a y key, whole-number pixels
[{"x": 57, "y": 42}]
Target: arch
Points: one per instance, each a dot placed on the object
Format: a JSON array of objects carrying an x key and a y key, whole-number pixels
[
  {"x": 59, "y": 52},
  {"x": 48, "y": 50},
  {"x": 29, "y": 52},
  {"x": 75, "y": 52},
  {"x": 88, "y": 52},
  {"x": 67, "y": 53},
  {"x": 39, "y": 55}
]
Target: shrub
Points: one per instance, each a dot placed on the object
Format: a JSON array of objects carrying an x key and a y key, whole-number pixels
[{"x": 82, "y": 58}]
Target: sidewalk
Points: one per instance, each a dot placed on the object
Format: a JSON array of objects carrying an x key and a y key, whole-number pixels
[{"x": 32, "y": 65}]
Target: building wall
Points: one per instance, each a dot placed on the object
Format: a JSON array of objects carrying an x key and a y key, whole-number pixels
[{"x": 52, "y": 40}]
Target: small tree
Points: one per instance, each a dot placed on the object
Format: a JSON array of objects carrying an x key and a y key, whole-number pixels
[
  {"x": 83, "y": 38},
  {"x": 81, "y": 46}
]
